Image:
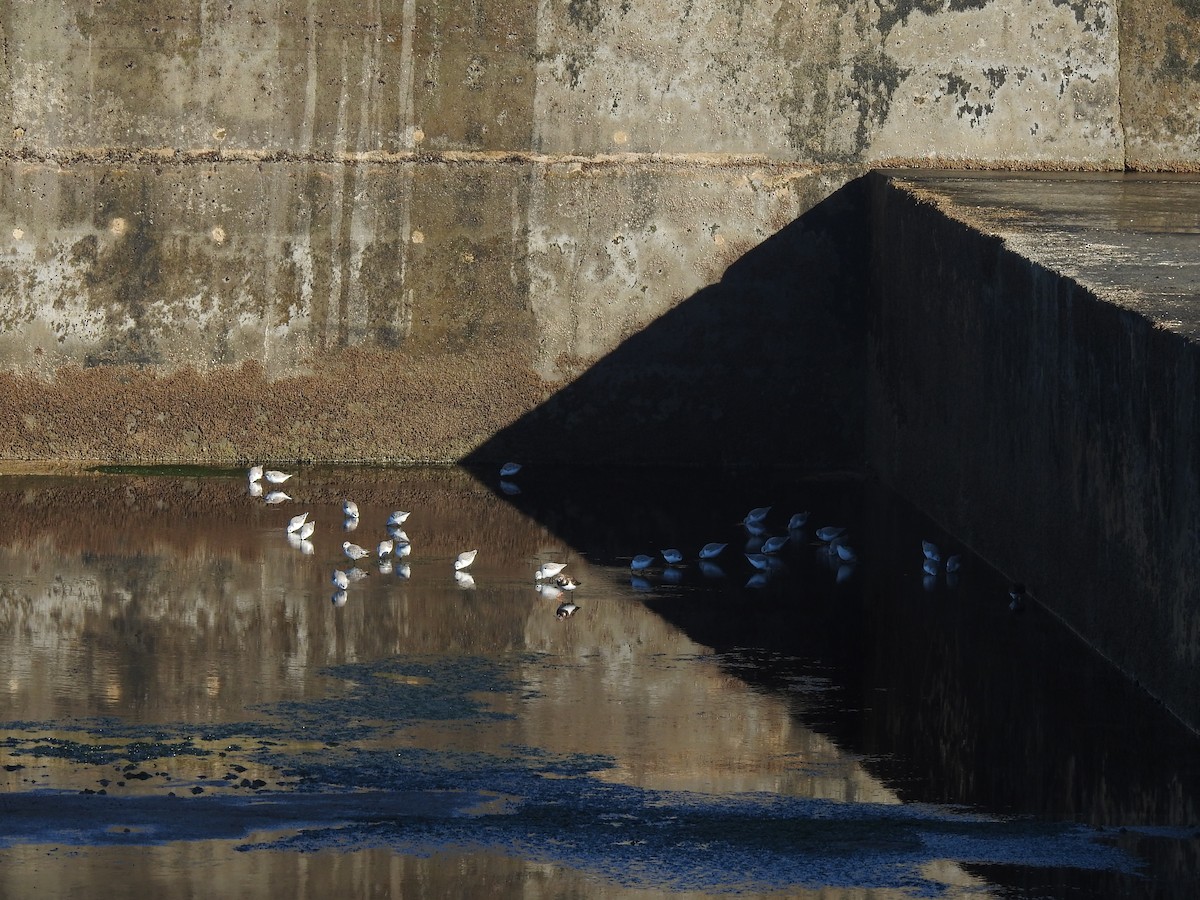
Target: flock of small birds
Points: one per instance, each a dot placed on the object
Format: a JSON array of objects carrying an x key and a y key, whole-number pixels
[
  {"x": 763, "y": 550},
  {"x": 391, "y": 551}
]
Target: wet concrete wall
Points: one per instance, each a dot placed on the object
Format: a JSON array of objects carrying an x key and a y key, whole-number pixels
[
  {"x": 405, "y": 230},
  {"x": 1033, "y": 387}
]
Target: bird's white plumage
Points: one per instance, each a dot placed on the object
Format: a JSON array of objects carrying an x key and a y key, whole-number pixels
[
  {"x": 353, "y": 551},
  {"x": 548, "y": 570},
  {"x": 798, "y": 521},
  {"x": 756, "y": 515}
]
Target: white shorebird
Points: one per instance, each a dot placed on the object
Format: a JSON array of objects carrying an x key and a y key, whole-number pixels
[
  {"x": 353, "y": 551},
  {"x": 385, "y": 548},
  {"x": 340, "y": 579},
  {"x": 756, "y": 515},
  {"x": 641, "y": 562},
  {"x": 774, "y": 544},
  {"x": 306, "y": 530},
  {"x": 931, "y": 551},
  {"x": 830, "y": 532},
  {"x": 712, "y": 550},
  {"x": 797, "y": 521},
  {"x": 759, "y": 560},
  {"x": 398, "y": 518},
  {"x": 548, "y": 570},
  {"x": 846, "y": 553},
  {"x": 276, "y": 497},
  {"x": 672, "y": 556},
  {"x": 350, "y": 509},
  {"x": 295, "y": 523},
  {"x": 276, "y": 477},
  {"x": 509, "y": 468},
  {"x": 255, "y": 474},
  {"x": 464, "y": 559}
]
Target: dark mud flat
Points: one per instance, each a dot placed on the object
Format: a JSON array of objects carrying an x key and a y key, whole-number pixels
[{"x": 191, "y": 707}]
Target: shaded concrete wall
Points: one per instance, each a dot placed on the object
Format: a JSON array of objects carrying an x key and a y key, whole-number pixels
[
  {"x": 1049, "y": 421},
  {"x": 394, "y": 230}
]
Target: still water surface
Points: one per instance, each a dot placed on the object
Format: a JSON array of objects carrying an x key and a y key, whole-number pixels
[{"x": 190, "y": 708}]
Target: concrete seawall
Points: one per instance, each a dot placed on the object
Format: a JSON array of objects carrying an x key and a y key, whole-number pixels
[
  {"x": 1033, "y": 387},
  {"x": 574, "y": 232},
  {"x": 391, "y": 231}
]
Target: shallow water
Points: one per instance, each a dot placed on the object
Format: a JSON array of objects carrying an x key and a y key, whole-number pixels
[{"x": 188, "y": 710}]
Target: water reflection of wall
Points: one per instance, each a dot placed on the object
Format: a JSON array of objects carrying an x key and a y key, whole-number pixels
[
  {"x": 216, "y": 868},
  {"x": 189, "y": 605},
  {"x": 185, "y": 596}
]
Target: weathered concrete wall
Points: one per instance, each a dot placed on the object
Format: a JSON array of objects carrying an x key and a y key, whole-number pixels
[
  {"x": 1033, "y": 386},
  {"x": 402, "y": 230},
  {"x": 1022, "y": 80},
  {"x": 323, "y": 311},
  {"x": 1160, "y": 83}
]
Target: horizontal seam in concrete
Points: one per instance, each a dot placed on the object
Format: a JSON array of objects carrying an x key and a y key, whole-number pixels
[
  {"x": 172, "y": 155},
  {"x": 162, "y": 155}
]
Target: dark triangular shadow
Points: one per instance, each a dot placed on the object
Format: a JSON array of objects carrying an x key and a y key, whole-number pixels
[{"x": 767, "y": 366}]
